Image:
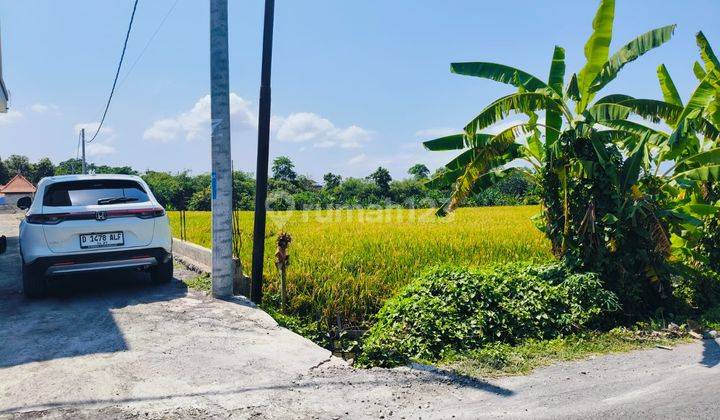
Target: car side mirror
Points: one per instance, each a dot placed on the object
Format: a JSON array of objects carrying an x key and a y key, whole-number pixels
[{"x": 24, "y": 203}]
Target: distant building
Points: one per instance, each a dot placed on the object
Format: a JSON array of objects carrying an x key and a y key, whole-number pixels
[{"x": 17, "y": 188}]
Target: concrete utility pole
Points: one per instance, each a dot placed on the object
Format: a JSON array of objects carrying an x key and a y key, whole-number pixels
[
  {"x": 262, "y": 155},
  {"x": 4, "y": 95},
  {"x": 84, "y": 162},
  {"x": 221, "y": 177}
]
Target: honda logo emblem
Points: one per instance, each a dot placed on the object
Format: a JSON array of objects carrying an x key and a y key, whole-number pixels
[{"x": 100, "y": 216}]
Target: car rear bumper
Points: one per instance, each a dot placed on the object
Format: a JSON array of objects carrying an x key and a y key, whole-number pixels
[{"x": 80, "y": 263}]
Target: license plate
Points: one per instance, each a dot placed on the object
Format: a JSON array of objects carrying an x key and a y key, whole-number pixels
[{"x": 101, "y": 240}]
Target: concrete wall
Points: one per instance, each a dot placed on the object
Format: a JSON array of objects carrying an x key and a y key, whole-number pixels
[
  {"x": 199, "y": 259},
  {"x": 11, "y": 199}
]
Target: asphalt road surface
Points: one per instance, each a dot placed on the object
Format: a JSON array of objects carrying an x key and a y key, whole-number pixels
[{"x": 116, "y": 346}]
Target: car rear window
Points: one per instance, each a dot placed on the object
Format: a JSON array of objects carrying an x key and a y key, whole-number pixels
[{"x": 85, "y": 193}]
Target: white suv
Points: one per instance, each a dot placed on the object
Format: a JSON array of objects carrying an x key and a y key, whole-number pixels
[{"x": 85, "y": 223}]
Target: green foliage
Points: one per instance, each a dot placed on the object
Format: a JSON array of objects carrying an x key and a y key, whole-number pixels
[
  {"x": 515, "y": 189},
  {"x": 283, "y": 169},
  {"x": 4, "y": 173},
  {"x": 287, "y": 191},
  {"x": 17, "y": 164},
  {"x": 202, "y": 282},
  {"x": 42, "y": 169},
  {"x": 606, "y": 207},
  {"x": 200, "y": 200},
  {"x": 355, "y": 191},
  {"x": 243, "y": 191},
  {"x": 410, "y": 193},
  {"x": 174, "y": 192},
  {"x": 597, "y": 49},
  {"x": 695, "y": 290},
  {"x": 419, "y": 171},
  {"x": 280, "y": 200},
  {"x": 381, "y": 177},
  {"x": 711, "y": 318},
  {"x": 331, "y": 180},
  {"x": 454, "y": 310},
  {"x": 74, "y": 166},
  {"x": 69, "y": 167}
]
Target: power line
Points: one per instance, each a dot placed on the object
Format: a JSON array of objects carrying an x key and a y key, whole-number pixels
[
  {"x": 117, "y": 73},
  {"x": 152, "y": 38}
]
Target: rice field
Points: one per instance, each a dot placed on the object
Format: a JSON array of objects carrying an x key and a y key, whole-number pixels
[{"x": 347, "y": 262}]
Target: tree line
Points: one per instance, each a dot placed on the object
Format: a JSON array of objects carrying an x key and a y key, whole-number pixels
[{"x": 288, "y": 190}]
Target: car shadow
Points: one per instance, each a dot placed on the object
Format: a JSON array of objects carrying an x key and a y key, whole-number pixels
[
  {"x": 711, "y": 353},
  {"x": 76, "y": 317}
]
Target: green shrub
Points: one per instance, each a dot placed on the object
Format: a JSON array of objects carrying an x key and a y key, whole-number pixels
[
  {"x": 694, "y": 290},
  {"x": 452, "y": 310}
]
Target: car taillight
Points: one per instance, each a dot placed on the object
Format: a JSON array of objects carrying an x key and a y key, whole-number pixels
[
  {"x": 151, "y": 213},
  {"x": 45, "y": 219}
]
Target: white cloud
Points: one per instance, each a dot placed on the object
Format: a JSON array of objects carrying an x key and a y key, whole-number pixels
[
  {"x": 298, "y": 127},
  {"x": 323, "y": 144},
  {"x": 106, "y": 133},
  {"x": 102, "y": 145},
  {"x": 43, "y": 108},
  {"x": 164, "y": 130},
  {"x": 10, "y": 117},
  {"x": 353, "y": 137},
  {"x": 195, "y": 123},
  {"x": 100, "y": 149},
  {"x": 304, "y": 126},
  {"x": 321, "y": 132},
  {"x": 362, "y": 157}
]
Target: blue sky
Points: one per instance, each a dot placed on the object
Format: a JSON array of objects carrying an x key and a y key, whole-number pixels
[{"x": 356, "y": 84}]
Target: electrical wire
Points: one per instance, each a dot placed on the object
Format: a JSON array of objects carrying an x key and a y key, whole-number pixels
[
  {"x": 152, "y": 38},
  {"x": 117, "y": 73}
]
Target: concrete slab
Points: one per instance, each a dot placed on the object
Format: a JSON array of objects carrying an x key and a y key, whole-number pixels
[{"x": 101, "y": 340}]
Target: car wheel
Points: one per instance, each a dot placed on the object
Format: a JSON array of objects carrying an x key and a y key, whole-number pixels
[
  {"x": 34, "y": 282},
  {"x": 162, "y": 273}
]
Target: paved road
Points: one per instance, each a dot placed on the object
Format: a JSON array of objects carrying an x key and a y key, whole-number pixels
[{"x": 119, "y": 347}]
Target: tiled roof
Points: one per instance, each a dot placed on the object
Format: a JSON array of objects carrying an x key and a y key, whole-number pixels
[{"x": 18, "y": 185}]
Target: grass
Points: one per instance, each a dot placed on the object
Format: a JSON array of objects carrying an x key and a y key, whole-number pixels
[
  {"x": 504, "y": 360},
  {"x": 202, "y": 282},
  {"x": 345, "y": 263}
]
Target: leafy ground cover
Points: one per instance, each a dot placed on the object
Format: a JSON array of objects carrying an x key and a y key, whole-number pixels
[
  {"x": 509, "y": 319},
  {"x": 346, "y": 263},
  {"x": 449, "y": 310}
]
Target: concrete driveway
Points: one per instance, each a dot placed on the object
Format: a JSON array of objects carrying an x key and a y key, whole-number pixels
[
  {"x": 102, "y": 340},
  {"x": 119, "y": 347}
]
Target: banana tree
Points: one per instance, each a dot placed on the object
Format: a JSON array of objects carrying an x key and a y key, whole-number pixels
[
  {"x": 691, "y": 157},
  {"x": 486, "y": 154},
  {"x": 588, "y": 155}
]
